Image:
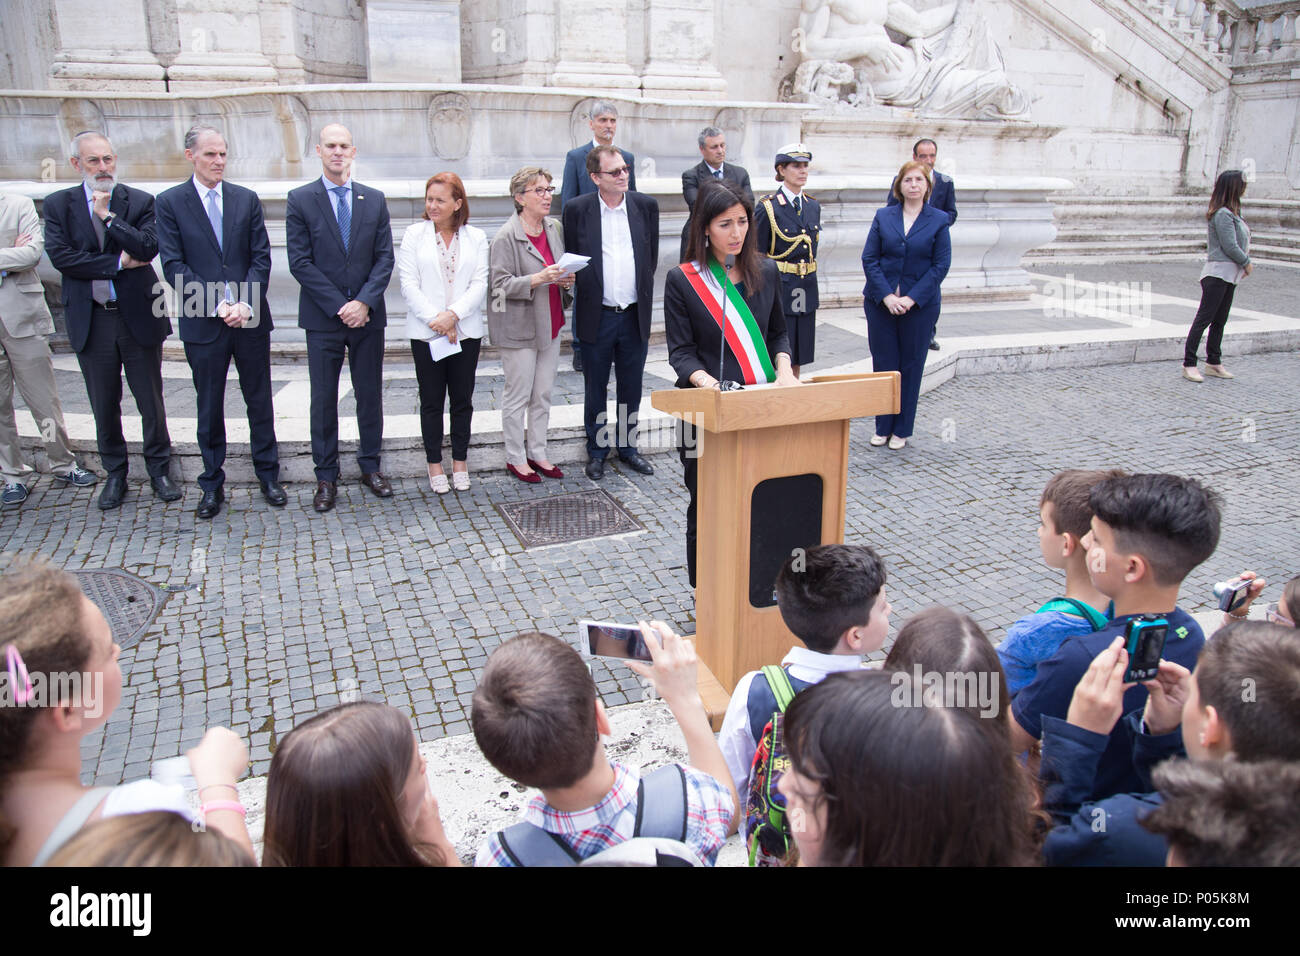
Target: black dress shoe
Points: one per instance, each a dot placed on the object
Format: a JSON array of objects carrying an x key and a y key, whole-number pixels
[
  {"x": 165, "y": 488},
  {"x": 577, "y": 360},
  {"x": 378, "y": 484},
  {"x": 113, "y": 493},
  {"x": 595, "y": 469},
  {"x": 274, "y": 493},
  {"x": 634, "y": 461},
  {"x": 326, "y": 495},
  {"x": 210, "y": 504},
  {"x": 934, "y": 345}
]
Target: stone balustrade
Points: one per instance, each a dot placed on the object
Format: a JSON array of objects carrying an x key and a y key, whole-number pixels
[{"x": 1232, "y": 34}]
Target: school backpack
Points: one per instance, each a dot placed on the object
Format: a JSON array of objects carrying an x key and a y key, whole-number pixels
[
  {"x": 658, "y": 839},
  {"x": 767, "y": 832},
  {"x": 1085, "y": 611}
]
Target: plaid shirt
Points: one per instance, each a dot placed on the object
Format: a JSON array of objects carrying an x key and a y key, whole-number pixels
[{"x": 613, "y": 819}]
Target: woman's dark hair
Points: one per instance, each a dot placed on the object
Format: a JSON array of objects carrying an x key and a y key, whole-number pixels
[
  {"x": 714, "y": 199},
  {"x": 452, "y": 182},
  {"x": 333, "y": 795},
  {"x": 938, "y": 640},
  {"x": 907, "y": 783},
  {"x": 1228, "y": 189},
  {"x": 156, "y": 838},
  {"x": 41, "y": 616}
]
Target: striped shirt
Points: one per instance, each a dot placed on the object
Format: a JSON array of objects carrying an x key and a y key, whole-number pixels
[{"x": 611, "y": 821}]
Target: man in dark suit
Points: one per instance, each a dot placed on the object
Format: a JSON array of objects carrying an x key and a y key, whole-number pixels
[
  {"x": 215, "y": 252},
  {"x": 340, "y": 249},
  {"x": 713, "y": 147},
  {"x": 603, "y": 120},
  {"x": 613, "y": 299},
  {"x": 101, "y": 235},
  {"x": 943, "y": 194}
]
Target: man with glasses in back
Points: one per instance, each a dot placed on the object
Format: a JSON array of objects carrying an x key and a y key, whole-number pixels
[{"x": 614, "y": 296}]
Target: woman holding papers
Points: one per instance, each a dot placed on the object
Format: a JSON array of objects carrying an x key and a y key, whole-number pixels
[
  {"x": 443, "y": 265},
  {"x": 529, "y": 294},
  {"x": 906, "y": 257},
  {"x": 724, "y": 283}
]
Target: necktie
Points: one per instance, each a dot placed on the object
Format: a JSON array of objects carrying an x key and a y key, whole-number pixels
[
  {"x": 214, "y": 216},
  {"x": 101, "y": 290},
  {"x": 798, "y": 205},
  {"x": 345, "y": 215},
  {"x": 717, "y": 174}
]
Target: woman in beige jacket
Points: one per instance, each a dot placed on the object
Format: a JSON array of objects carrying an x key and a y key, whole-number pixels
[{"x": 528, "y": 293}]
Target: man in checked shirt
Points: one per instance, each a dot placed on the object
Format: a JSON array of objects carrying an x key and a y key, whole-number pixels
[{"x": 537, "y": 719}]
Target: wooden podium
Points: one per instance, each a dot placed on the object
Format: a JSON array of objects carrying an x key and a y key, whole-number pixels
[{"x": 773, "y": 472}]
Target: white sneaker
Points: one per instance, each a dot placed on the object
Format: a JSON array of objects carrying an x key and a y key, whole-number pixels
[
  {"x": 878, "y": 440},
  {"x": 1218, "y": 371},
  {"x": 1191, "y": 373},
  {"x": 896, "y": 443}
]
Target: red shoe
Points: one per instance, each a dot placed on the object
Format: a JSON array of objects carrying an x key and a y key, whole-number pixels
[
  {"x": 552, "y": 472},
  {"x": 532, "y": 478}
]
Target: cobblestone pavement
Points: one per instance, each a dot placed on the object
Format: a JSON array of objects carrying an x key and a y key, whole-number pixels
[{"x": 403, "y": 599}]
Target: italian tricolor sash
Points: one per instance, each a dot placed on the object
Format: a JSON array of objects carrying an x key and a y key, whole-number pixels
[{"x": 734, "y": 318}]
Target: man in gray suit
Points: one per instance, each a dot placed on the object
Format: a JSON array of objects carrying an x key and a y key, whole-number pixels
[
  {"x": 713, "y": 147},
  {"x": 25, "y": 325}
]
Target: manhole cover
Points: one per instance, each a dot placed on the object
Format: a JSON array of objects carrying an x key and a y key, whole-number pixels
[
  {"x": 566, "y": 518},
  {"x": 129, "y": 603}
]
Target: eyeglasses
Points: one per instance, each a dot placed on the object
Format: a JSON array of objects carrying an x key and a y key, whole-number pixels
[
  {"x": 542, "y": 191},
  {"x": 621, "y": 171},
  {"x": 1275, "y": 616}
]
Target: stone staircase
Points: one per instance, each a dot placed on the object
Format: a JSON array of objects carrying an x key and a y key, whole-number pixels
[{"x": 1094, "y": 228}]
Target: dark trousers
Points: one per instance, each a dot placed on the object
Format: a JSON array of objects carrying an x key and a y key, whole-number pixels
[
  {"x": 365, "y": 355},
  {"x": 900, "y": 343},
  {"x": 1216, "y": 300},
  {"x": 688, "y": 452},
  {"x": 109, "y": 351},
  {"x": 618, "y": 344},
  {"x": 210, "y": 363},
  {"x": 452, "y": 377}
]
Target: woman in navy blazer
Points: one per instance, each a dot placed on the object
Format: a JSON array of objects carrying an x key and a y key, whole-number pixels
[{"x": 906, "y": 257}]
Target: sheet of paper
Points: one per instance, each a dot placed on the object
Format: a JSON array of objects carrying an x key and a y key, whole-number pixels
[
  {"x": 440, "y": 347},
  {"x": 572, "y": 262}
]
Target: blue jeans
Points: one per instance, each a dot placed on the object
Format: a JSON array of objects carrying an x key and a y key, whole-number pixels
[{"x": 618, "y": 344}]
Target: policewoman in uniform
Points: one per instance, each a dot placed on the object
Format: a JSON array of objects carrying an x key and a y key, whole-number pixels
[
  {"x": 722, "y": 316},
  {"x": 787, "y": 226}
]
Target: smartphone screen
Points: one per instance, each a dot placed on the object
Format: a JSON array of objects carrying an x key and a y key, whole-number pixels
[
  {"x": 1146, "y": 645},
  {"x": 607, "y": 639}
]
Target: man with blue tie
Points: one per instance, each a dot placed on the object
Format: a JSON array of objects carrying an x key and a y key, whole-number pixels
[
  {"x": 215, "y": 252},
  {"x": 943, "y": 194},
  {"x": 713, "y": 150},
  {"x": 340, "y": 247}
]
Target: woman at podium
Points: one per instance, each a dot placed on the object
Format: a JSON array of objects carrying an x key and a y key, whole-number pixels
[
  {"x": 724, "y": 290},
  {"x": 906, "y": 257}
]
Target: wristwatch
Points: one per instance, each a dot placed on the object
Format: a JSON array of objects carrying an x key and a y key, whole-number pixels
[{"x": 108, "y": 220}]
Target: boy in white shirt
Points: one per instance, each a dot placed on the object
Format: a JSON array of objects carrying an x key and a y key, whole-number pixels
[{"x": 832, "y": 597}]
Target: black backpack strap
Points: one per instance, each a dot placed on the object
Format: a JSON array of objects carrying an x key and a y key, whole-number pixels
[
  {"x": 529, "y": 845},
  {"x": 661, "y": 804}
]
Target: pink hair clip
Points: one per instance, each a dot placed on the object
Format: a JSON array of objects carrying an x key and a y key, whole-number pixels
[{"x": 14, "y": 660}]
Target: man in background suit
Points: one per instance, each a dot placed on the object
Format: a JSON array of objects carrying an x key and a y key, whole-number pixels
[
  {"x": 713, "y": 147},
  {"x": 943, "y": 194},
  {"x": 613, "y": 299},
  {"x": 25, "y": 325},
  {"x": 340, "y": 249},
  {"x": 102, "y": 236},
  {"x": 215, "y": 251},
  {"x": 603, "y": 120}
]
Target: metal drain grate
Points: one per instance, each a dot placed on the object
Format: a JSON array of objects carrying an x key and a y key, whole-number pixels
[
  {"x": 563, "y": 519},
  {"x": 129, "y": 603}
]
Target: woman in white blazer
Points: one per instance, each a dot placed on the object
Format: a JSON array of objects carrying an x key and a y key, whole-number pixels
[{"x": 443, "y": 265}]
